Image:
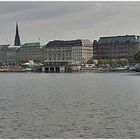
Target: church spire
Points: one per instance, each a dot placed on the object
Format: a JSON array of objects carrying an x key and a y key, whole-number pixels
[{"x": 17, "y": 38}]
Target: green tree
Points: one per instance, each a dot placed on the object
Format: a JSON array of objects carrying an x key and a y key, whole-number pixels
[
  {"x": 123, "y": 61},
  {"x": 90, "y": 61},
  {"x": 0, "y": 63},
  {"x": 137, "y": 56},
  {"x": 101, "y": 62},
  {"x": 114, "y": 62}
]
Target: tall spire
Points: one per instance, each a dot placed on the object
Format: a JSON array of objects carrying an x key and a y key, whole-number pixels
[{"x": 17, "y": 38}]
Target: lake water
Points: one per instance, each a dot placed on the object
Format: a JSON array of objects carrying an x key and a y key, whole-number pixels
[{"x": 82, "y": 105}]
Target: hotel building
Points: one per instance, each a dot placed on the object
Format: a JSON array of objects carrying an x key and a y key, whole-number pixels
[{"x": 116, "y": 47}]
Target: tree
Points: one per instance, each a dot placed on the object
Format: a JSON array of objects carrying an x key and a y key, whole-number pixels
[
  {"x": 101, "y": 62},
  {"x": 137, "y": 56},
  {"x": 123, "y": 61},
  {"x": 90, "y": 61},
  {"x": 0, "y": 63},
  {"x": 113, "y": 62}
]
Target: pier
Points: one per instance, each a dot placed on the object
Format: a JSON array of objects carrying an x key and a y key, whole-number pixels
[{"x": 56, "y": 66}]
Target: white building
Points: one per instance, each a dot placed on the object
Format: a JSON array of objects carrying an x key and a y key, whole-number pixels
[{"x": 82, "y": 52}]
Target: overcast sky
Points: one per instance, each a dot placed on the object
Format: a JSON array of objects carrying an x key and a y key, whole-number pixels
[{"x": 67, "y": 20}]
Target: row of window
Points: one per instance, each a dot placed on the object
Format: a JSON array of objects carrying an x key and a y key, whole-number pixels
[{"x": 68, "y": 58}]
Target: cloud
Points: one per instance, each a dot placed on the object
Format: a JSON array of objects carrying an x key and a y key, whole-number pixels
[{"x": 70, "y": 19}]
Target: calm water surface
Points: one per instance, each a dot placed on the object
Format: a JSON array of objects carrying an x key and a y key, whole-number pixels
[{"x": 87, "y": 105}]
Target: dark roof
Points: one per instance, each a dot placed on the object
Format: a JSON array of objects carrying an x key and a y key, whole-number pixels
[
  {"x": 60, "y": 43},
  {"x": 119, "y": 39},
  {"x": 4, "y": 46},
  {"x": 69, "y": 43}
]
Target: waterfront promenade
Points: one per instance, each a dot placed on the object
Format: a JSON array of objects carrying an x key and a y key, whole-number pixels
[{"x": 82, "y": 69}]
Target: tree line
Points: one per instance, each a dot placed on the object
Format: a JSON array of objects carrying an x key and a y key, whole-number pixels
[
  {"x": 113, "y": 62},
  {"x": 137, "y": 56}
]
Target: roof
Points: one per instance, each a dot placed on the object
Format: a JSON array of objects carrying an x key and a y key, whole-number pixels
[
  {"x": 4, "y": 46},
  {"x": 86, "y": 42},
  {"x": 119, "y": 39},
  {"x": 11, "y": 49},
  {"x": 30, "y": 45},
  {"x": 62, "y": 43},
  {"x": 68, "y": 43}
]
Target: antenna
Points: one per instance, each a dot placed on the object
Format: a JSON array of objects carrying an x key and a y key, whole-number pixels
[
  {"x": 54, "y": 35},
  {"x": 59, "y": 35},
  {"x": 107, "y": 32}
]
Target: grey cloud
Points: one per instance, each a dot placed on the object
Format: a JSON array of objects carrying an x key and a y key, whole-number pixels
[
  {"x": 11, "y": 7},
  {"x": 45, "y": 10},
  {"x": 72, "y": 19}
]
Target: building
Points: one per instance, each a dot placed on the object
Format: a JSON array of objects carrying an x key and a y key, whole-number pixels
[
  {"x": 82, "y": 51},
  {"x": 63, "y": 55},
  {"x": 75, "y": 50},
  {"x": 57, "y": 50},
  {"x": 116, "y": 47},
  {"x": 17, "y": 38},
  {"x": 30, "y": 51},
  {"x": 11, "y": 55},
  {"x": 8, "y": 53},
  {"x": 3, "y": 53}
]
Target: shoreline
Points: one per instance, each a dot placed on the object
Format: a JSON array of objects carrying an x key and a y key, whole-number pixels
[{"x": 26, "y": 71}]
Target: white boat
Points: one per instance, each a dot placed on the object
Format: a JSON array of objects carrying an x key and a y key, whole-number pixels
[{"x": 28, "y": 69}]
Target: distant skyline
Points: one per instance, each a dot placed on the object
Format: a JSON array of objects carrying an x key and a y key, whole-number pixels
[{"x": 45, "y": 21}]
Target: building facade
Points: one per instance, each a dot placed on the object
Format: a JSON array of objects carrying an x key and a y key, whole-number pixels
[
  {"x": 116, "y": 47},
  {"x": 56, "y": 50},
  {"x": 11, "y": 55},
  {"x": 3, "y": 53},
  {"x": 74, "y": 50},
  {"x": 30, "y": 51},
  {"x": 83, "y": 52},
  {"x": 64, "y": 56}
]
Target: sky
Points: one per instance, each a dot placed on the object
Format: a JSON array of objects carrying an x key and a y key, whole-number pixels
[{"x": 62, "y": 20}]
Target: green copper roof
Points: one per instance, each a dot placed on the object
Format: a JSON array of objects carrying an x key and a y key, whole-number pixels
[
  {"x": 12, "y": 49},
  {"x": 30, "y": 45}
]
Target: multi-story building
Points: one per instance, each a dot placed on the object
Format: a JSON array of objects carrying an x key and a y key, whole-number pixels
[
  {"x": 30, "y": 51},
  {"x": 56, "y": 50},
  {"x": 83, "y": 52},
  {"x": 116, "y": 47},
  {"x": 65, "y": 55},
  {"x": 75, "y": 50},
  {"x": 3, "y": 53},
  {"x": 11, "y": 55}
]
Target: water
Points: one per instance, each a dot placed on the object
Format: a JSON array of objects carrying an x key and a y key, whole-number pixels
[{"x": 88, "y": 105}]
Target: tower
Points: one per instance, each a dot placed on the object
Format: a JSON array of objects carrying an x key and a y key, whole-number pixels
[{"x": 17, "y": 38}]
